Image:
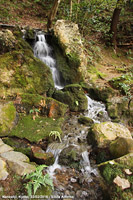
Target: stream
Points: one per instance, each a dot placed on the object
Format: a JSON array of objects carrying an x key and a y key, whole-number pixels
[{"x": 81, "y": 182}]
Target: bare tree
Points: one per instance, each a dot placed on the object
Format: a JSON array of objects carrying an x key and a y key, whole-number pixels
[
  {"x": 52, "y": 14},
  {"x": 114, "y": 22}
]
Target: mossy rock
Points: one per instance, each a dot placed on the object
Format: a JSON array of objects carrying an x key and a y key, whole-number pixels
[
  {"x": 104, "y": 133},
  {"x": 36, "y": 130},
  {"x": 8, "y": 117},
  {"x": 70, "y": 156},
  {"x": 121, "y": 146},
  {"x": 110, "y": 170},
  {"x": 119, "y": 109},
  {"x": 85, "y": 120},
  {"x": 47, "y": 106},
  {"x": 21, "y": 72},
  {"x": 73, "y": 96},
  {"x": 18, "y": 145}
]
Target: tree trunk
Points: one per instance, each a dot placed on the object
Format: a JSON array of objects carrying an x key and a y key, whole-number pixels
[
  {"x": 114, "y": 22},
  {"x": 52, "y": 14}
]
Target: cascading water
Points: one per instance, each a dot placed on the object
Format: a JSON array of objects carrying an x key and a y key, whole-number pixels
[
  {"x": 43, "y": 51},
  {"x": 96, "y": 111}
]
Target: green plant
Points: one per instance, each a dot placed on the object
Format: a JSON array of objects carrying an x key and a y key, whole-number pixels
[
  {"x": 35, "y": 112},
  {"x": 37, "y": 179},
  {"x": 56, "y": 134}
]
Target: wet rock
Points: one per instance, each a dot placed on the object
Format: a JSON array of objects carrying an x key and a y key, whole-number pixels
[
  {"x": 41, "y": 157},
  {"x": 86, "y": 121},
  {"x": 3, "y": 170},
  {"x": 8, "y": 117},
  {"x": 73, "y": 96},
  {"x": 102, "y": 134},
  {"x": 70, "y": 156},
  {"x": 121, "y": 146}
]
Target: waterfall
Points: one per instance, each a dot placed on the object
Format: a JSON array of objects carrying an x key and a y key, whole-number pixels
[
  {"x": 43, "y": 51},
  {"x": 96, "y": 110}
]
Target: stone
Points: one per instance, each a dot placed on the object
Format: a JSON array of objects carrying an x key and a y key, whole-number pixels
[
  {"x": 122, "y": 182},
  {"x": 5, "y": 148},
  {"x": 72, "y": 95},
  {"x": 121, "y": 146},
  {"x": 69, "y": 39},
  {"x": 85, "y": 120},
  {"x": 103, "y": 133},
  {"x": 8, "y": 117},
  {"x": 1, "y": 142},
  {"x": 20, "y": 168},
  {"x": 41, "y": 157},
  {"x": 14, "y": 156},
  {"x": 3, "y": 170},
  {"x": 127, "y": 171}
]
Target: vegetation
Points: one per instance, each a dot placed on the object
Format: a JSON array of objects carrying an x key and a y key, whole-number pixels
[{"x": 37, "y": 179}]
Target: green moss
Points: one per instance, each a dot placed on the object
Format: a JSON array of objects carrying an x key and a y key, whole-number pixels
[
  {"x": 35, "y": 130},
  {"x": 8, "y": 115},
  {"x": 85, "y": 120},
  {"x": 109, "y": 171},
  {"x": 73, "y": 96}
]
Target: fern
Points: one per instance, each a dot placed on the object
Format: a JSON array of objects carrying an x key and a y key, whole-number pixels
[
  {"x": 37, "y": 179},
  {"x": 56, "y": 134}
]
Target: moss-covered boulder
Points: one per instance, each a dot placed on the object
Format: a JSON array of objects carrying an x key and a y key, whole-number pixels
[
  {"x": 85, "y": 120},
  {"x": 7, "y": 117},
  {"x": 46, "y": 106},
  {"x": 104, "y": 133},
  {"x": 20, "y": 71},
  {"x": 98, "y": 93},
  {"x": 69, "y": 39},
  {"x": 41, "y": 157},
  {"x": 72, "y": 95},
  {"x": 36, "y": 130},
  {"x": 120, "y": 109},
  {"x": 71, "y": 156},
  {"x": 121, "y": 146},
  {"x": 111, "y": 171},
  {"x": 7, "y": 41}
]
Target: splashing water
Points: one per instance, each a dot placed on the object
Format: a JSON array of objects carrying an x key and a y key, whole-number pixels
[
  {"x": 95, "y": 110},
  {"x": 43, "y": 52}
]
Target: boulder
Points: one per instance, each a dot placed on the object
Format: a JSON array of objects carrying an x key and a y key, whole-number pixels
[
  {"x": 74, "y": 96},
  {"x": 7, "y": 41},
  {"x": 69, "y": 39},
  {"x": 85, "y": 120},
  {"x": 41, "y": 157},
  {"x": 21, "y": 72},
  {"x": 115, "y": 177},
  {"x": 14, "y": 156},
  {"x": 121, "y": 146},
  {"x": 8, "y": 117},
  {"x": 5, "y": 148},
  {"x": 3, "y": 170},
  {"x": 104, "y": 133}
]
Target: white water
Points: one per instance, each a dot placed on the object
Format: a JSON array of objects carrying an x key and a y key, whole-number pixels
[
  {"x": 95, "y": 108},
  {"x": 43, "y": 52}
]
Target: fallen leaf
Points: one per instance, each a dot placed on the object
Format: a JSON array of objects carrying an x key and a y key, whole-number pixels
[{"x": 128, "y": 172}]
